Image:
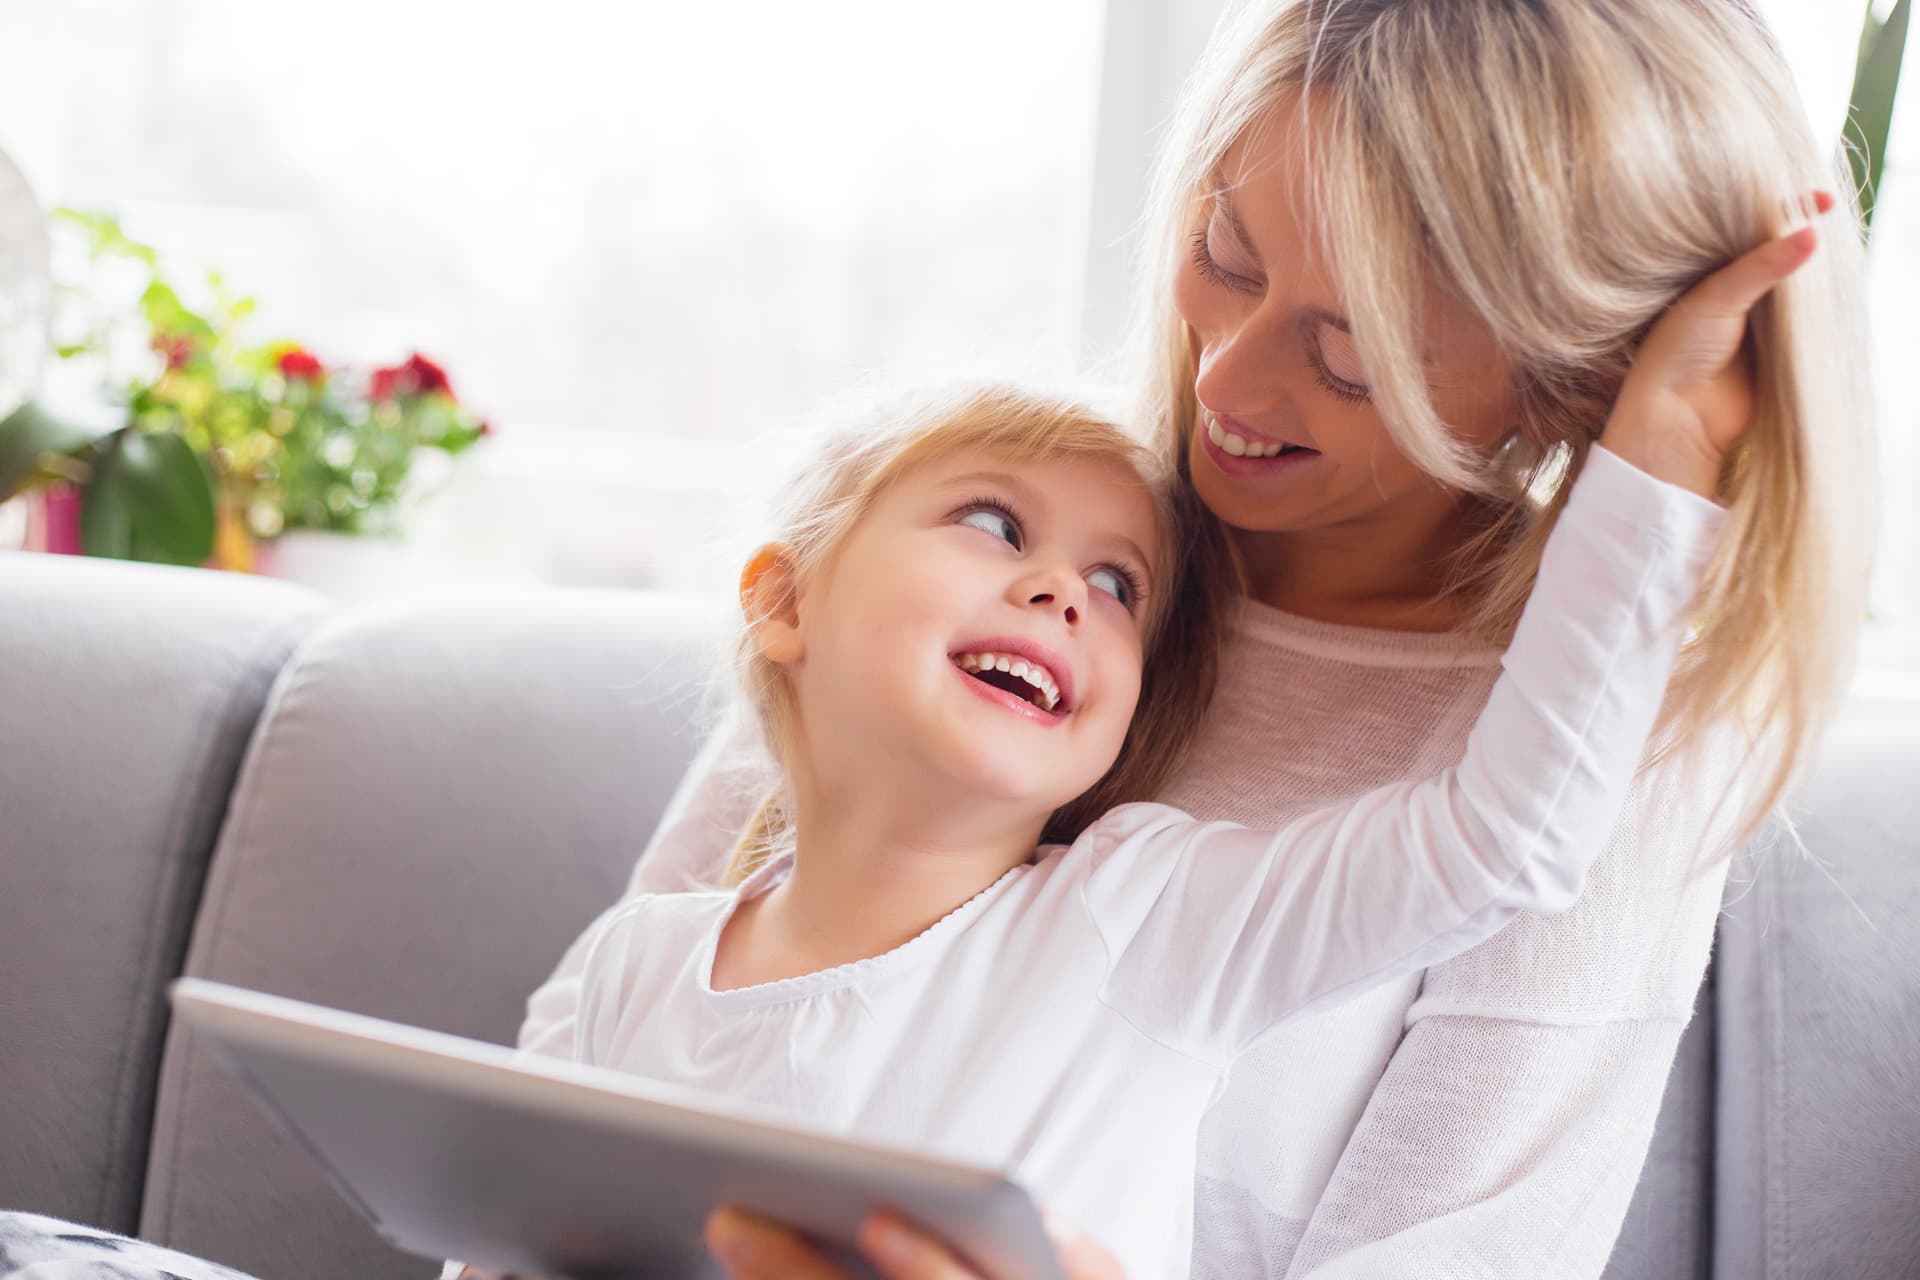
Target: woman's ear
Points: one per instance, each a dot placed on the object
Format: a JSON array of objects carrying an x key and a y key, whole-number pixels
[{"x": 770, "y": 597}]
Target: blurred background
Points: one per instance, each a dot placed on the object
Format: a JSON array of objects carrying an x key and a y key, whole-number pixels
[{"x": 639, "y": 238}]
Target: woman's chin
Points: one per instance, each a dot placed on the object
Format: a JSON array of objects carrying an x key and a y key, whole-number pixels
[{"x": 1245, "y": 505}]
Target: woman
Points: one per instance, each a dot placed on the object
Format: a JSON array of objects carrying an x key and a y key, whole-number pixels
[{"x": 1407, "y": 252}]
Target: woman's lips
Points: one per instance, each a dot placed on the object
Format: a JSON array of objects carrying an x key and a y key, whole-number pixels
[{"x": 1258, "y": 455}]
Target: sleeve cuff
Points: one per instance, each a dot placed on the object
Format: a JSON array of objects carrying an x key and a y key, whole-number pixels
[{"x": 1611, "y": 487}]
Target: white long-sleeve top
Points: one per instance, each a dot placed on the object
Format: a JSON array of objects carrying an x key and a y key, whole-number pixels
[{"x": 1173, "y": 945}]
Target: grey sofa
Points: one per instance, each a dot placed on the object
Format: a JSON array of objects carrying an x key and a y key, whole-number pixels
[{"x": 409, "y": 811}]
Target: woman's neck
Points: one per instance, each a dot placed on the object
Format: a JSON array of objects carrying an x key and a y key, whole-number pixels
[
  {"x": 1391, "y": 572},
  {"x": 867, "y": 876}
]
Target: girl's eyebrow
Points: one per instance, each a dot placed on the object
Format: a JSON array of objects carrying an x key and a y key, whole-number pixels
[{"x": 1028, "y": 496}]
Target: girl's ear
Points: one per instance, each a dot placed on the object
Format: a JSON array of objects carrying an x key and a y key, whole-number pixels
[{"x": 770, "y": 597}]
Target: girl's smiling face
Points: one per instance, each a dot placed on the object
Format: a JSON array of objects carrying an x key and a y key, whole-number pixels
[{"x": 965, "y": 564}]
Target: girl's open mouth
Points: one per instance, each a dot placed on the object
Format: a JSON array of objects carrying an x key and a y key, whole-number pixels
[{"x": 1017, "y": 678}]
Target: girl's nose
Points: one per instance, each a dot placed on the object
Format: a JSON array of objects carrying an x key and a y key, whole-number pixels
[
  {"x": 1056, "y": 589},
  {"x": 1071, "y": 613}
]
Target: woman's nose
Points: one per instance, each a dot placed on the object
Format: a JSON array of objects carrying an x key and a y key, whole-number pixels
[{"x": 1239, "y": 362}]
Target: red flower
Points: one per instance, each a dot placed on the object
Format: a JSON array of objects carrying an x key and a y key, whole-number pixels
[
  {"x": 418, "y": 376},
  {"x": 296, "y": 363},
  {"x": 177, "y": 348},
  {"x": 428, "y": 377}
]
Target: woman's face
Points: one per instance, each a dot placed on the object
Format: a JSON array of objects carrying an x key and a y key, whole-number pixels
[{"x": 1288, "y": 438}]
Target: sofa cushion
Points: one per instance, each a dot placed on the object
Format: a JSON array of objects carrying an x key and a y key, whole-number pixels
[
  {"x": 440, "y": 798},
  {"x": 1818, "y": 1127},
  {"x": 130, "y": 693}
]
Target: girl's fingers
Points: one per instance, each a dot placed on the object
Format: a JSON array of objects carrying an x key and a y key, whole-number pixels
[
  {"x": 901, "y": 1251},
  {"x": 1735, "y": 288},
  {"x": 1081, "y": 1258},
  {"x": 1700, "y": 334},
  {"x": 751, "y": 1248},
  {"x": 1732, "y": 291}
]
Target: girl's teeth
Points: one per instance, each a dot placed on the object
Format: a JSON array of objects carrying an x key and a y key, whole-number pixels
[{"x": 1032, "y": 672}]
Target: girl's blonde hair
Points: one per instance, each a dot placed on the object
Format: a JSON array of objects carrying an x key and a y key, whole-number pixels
[
  {"x": 872, "y": 450},
  {"x": 1567, "y": 168}
]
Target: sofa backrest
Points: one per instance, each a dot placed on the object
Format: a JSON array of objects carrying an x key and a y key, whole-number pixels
[
  {"x": 127, "y": 695},
  {"x": 439, "y": 798}
]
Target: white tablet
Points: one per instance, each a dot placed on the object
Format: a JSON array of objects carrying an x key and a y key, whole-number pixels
[{"x": 457, "y": 1149}]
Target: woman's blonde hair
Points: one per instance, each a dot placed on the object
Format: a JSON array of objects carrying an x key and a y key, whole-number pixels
[
  {"x": 1567, "y": 168},
  {"x": 870, "y": 450}
]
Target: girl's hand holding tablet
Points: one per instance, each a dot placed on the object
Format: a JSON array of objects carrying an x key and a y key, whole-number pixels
[{"x": 751, "y": 1248}]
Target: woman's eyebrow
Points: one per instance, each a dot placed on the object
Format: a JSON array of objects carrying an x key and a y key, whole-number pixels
[
  {"x": 1223, "y": 195},
  {"x": 1327, "y": 317}
]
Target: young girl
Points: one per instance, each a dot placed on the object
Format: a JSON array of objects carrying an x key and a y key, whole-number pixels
[{"x": 946, "y": 647}]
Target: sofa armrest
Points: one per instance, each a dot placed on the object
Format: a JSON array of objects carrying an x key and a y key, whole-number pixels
[{"x": 130, "y": 692}]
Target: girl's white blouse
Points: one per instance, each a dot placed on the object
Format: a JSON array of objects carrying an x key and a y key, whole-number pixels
[{"x": 1075, "y": 1022}]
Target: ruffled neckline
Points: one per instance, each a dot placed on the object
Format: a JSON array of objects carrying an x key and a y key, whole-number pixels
[{"x": 923, "y": 946}]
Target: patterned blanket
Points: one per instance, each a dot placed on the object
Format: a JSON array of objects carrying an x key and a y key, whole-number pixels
[{"x": 36, "y": 1248}]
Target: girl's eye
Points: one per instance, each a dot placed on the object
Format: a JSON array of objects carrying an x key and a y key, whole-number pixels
[
  {"x": 992, "y": 518},
  {"x": 1122, "y": 584}
]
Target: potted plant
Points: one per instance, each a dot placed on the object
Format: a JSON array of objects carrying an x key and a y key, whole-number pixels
[{"x": 215, "y": 445}]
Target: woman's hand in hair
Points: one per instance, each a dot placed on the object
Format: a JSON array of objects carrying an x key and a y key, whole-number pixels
[
  {"x": 751, "y": 1248},
  {"x": 1690, "y": 393}
]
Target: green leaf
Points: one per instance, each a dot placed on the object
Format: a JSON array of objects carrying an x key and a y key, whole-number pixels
[
  {"x": 150, "y": 499},
  {"x": 106, "y": 513},
  {"x": 30, "y": 434},
  {"x": 1870, "y": 112},
  {"x": 103, "y": 229},
  {"x": 168, "y": 315}
]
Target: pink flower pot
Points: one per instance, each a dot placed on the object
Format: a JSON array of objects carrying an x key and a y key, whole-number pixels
[{"x": 53, "y": 520}]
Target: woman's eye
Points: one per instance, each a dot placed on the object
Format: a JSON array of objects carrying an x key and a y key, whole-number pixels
[
  {"x": 1114, "y": 583},
  {"x": 1336, "y": 363},
  {"x": 1341, "y": 357},
  {"x": 996, "y": 522},
  {"x": 1209, "y": 265}
]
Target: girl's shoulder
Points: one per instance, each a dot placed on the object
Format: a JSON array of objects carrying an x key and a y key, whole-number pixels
[
  {"x": 657, "y": 918},
  {"x": 1127, "y": 824}
]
